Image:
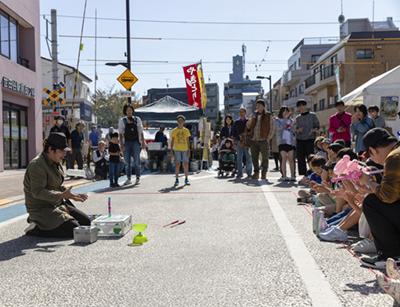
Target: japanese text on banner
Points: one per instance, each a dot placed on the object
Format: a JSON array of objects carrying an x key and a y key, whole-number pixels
[{"x": 192, "y": 85}]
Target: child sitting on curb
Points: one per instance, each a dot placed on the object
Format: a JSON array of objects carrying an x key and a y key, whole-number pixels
[{"x": 316, "y": 165}]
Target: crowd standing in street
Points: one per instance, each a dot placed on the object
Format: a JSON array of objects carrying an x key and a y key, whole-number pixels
[
  {"x": 75, "y": 141},
  {"x": 360, "y": 124},
  {"x": 285, "y": 131},
  {"x": 239, "y": 127},
  {"x": 307, "y": 124},
  {"x": 131, "y": 141},
  {"x": 339, "y": 124},
  {"x": 262, "y": 129}
]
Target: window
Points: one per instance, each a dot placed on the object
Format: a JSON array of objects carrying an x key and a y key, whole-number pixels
[
  {"x": 298, "y": 64},
  {"x": 364, "y": 54},
  {"x": 314, "y": 59},
  {"x": 315, "y": 107},
  {"x": 322, "y": 68},
  {"x": 334, "y": 59},
  {"x": 322, "y": 104},
  {"x": 301, "y": 89},
  {"x": 8, "y": 37}
]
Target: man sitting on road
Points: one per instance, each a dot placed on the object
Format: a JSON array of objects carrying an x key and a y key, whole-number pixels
[
  {"x": 382, "y": 206},
  {"x": 51, "y": 214}
]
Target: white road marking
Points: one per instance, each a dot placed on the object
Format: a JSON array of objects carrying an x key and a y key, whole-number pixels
[{"x": 317, "y": 285}]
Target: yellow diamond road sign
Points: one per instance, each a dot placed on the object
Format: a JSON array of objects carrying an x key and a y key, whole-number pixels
[{"x": 127, "y": 79}]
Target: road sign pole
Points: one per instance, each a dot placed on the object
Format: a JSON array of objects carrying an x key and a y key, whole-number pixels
[{"x": 128, "y": 42}]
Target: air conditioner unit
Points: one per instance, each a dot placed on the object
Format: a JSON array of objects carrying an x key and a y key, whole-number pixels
[{"x": 331, "y": 100}]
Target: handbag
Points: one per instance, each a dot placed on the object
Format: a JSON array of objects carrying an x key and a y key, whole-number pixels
[{"x": 245, "y": 138}]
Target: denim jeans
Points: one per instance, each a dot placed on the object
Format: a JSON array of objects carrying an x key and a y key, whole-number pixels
[
  {"x": 336, "y": 219},
  {"x": 132, "y": 149},
  {"x": 115, "y": 169},
  {"x": 240, "y": 151}
]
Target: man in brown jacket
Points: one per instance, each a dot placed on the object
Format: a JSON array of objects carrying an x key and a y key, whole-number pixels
[
  {"x": 262, "y": 129},
  {"x": 51, "y": 214},
  {"x": 382, "y": 206}
]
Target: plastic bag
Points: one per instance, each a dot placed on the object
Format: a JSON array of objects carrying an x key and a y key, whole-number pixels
[{"x": 143, "y": 155}]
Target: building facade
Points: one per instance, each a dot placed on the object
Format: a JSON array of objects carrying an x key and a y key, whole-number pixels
[
  {"x": 83, "y": 108},
  {"x": 357, "y": 58},
  {"x": 237, "y": 85},
  {"x": 20, "y": 76},
  {"x": 303, "y": 54}
]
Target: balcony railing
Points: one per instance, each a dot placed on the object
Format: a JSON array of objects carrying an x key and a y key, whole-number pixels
[
  {"x": 327, "y": 72},
  {"x": 310, "y": 81}
]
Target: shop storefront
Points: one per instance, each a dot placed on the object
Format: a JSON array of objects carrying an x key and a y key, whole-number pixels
[
  {"x": 15, "y": 136},
  {"x": 20, "y": 83}
]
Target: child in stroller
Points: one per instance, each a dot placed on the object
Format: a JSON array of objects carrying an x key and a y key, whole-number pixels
[{"x": 227, "y": 158}]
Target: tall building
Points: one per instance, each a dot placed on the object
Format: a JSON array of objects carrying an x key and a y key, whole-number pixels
[
  {"x": 352, "y": 57},
  {"x": 180, "y": 93},
  {"x": 237, "y": 85},
  {"x": 305, "y": 52},
  {"x": 21, "y": 84}
]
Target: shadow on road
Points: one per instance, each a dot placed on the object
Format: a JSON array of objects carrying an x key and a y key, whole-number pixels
[{"x": 17, "y": 247}]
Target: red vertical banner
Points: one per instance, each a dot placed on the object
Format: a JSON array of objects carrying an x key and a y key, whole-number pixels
[{"x": 192, "y": 85}]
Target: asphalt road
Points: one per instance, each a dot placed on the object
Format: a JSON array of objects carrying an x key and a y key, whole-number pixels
[{"x": 244, "y": 243}]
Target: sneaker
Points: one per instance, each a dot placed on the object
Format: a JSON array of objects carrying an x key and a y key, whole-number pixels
[
  {"x": 333, "y": 234},
  {"x": 116, "y": 185},
  {"x": 314, "y": 221},
  {"x": 392, "y": 270},
  {"x": 187, "y": 182},
  {"x": 376, "y": 262},
  {"x": 281, "y": 179},
  {"x": 390, "y": 286},
  {"x": 111, "y": 185},
  {"x": 292, "y": 178},
  {"x": 239, "y": 176},
  {"x": 176, "y": 182},
  {"x": 286, "y": 179},
  {"x": 128, "y": 181},
  {"x": 137, "y": 181},
  {"x": 249, "y": 176},
  {"x": 322, "y": 225},
  {"x": 31, "y": 226},
  {"x": 364, "y": 246}
]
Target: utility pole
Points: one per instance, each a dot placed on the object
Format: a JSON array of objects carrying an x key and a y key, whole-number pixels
[
  {"x": 128, "y": 42},
  {"x": 54, "y": 55}
]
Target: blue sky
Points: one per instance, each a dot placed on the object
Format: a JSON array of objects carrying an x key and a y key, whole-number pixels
[{"x": 184, "y": 52}]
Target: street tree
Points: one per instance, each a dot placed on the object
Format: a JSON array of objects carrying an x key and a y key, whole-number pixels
[{"x": 108, "y": 105}]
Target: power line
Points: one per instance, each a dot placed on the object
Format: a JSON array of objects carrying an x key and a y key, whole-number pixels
[{"x": 206, "y": 22}]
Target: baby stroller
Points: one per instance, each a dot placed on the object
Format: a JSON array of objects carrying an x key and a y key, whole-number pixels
[{"x": 228, "y": 166}]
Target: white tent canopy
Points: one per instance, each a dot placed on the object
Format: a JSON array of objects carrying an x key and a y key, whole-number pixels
[{"x": 371, "y": 93}]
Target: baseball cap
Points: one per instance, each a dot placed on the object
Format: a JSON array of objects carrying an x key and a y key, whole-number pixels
[{"x": 373, "y": 136}]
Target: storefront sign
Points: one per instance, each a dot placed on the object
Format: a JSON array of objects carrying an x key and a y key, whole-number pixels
[
  {"x": 192, "y": 85},
  {"x": 6, "y": 131},
  {"x": 24, "y": 133},
  {"x": 18, "y": 87},
  {"x": 86, "y": 112},
  {"x": 14, "y": 132}
]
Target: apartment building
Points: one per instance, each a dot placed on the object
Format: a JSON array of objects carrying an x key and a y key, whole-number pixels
[
  {"x": 20, "y": 75},
  {"x": 307, "y": 51},
  {"x": 365, "y": 51}
]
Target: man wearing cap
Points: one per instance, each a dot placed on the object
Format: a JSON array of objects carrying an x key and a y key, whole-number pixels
[
  {"x": 307, "y": 125},
  {"x": 51, "y": 214},
  {"x": 262, "y": 130},
  {"x": 161, "y": 137},
  {"x": 382, "y": 206},
  {"x": 75, "y": 143}
]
